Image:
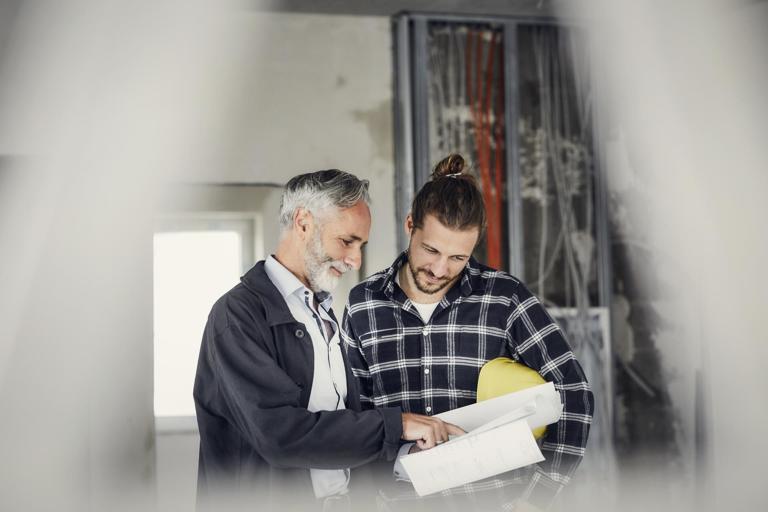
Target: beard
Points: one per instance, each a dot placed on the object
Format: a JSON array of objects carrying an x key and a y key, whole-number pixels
[
  {"x": 420, "y": 276},
  {"x": 319, "y": 265}
]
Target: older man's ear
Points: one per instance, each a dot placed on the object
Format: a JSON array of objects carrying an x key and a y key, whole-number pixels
[{"x": 302, "y": 221}]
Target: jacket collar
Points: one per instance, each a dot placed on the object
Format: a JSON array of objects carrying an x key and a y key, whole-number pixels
[
  {"x": 471, "y": 280},
  {"x": 275, "y": 308}
]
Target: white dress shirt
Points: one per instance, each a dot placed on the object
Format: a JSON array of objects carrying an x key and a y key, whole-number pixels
[{"x": 329, "y": 380}]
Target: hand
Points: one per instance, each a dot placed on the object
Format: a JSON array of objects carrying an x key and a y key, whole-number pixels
[{"x": 427, "y": 431}]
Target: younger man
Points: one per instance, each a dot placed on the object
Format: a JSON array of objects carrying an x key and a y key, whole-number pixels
[{"x": 418, "y": 333}]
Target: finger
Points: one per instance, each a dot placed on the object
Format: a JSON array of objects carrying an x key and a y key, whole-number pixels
[
  {"x": 420, "y": 444},
  {"x": 429, "y": 439},
  {"x": 441, "y": 434},
  {"x": 453, "y": 430}
]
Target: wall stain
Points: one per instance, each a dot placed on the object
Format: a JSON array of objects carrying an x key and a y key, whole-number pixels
[{"x": 378, "y": 122}]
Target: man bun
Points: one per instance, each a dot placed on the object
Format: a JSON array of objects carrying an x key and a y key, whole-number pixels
[
  {"x": 452, "y": 196},
  {"x": 452, "y": 166}
]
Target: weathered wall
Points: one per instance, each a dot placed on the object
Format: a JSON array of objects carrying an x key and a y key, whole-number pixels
[
  {"x": 307, "y": 92},
  {"x": 102, "y": 105}
]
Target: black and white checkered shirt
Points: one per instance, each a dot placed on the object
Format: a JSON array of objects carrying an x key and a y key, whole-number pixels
[{"x": 432, "y": 367}]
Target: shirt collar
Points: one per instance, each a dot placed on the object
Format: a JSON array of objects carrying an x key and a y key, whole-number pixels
[{"x": 288, "y": 284}]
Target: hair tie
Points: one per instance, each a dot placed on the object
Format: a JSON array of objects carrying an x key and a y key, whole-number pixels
[{"x": 452, "y": 175}]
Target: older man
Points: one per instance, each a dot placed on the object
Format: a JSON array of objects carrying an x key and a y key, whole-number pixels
[{"x": 277, "y": 406}]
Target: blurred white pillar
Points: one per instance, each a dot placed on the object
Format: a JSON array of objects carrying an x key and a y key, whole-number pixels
[
  {"x": 685, "y": 97},
  {"x": 101, "y": 102}
]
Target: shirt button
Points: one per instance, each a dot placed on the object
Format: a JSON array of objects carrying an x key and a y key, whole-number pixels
[
  {"x": 426, "y": 371},
  {"x": 299, "y": 333},
  {"x": 429, "y": 409}
]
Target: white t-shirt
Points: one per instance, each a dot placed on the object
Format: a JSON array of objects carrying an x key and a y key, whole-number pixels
[{"x": 425, "y": 310}]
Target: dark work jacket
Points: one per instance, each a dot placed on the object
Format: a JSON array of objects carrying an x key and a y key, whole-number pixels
[{"x": 254, "y": 377}]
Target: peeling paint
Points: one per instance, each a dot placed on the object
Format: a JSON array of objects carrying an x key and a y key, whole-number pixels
[{"x": 378, "y": 121}]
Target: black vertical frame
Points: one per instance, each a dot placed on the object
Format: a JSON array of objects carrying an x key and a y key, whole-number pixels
[
  {"x": 514, "y": 196},
  {"x": 420, "y": 74},
  {"x": 403, "y": 120}
]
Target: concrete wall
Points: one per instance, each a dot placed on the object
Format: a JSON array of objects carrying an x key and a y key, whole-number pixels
[
  {"x": 312, "y": 92},
  {"x": 102, "y": 106},
  {"x": 307, "y": 92}
]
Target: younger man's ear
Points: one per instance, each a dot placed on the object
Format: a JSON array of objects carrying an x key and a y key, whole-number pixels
[{"x": 408, "y": 224}]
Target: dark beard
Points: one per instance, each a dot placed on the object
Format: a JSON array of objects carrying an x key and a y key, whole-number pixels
[{"x": 414, "y": 274}]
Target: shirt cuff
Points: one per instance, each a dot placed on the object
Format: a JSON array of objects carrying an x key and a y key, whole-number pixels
[
  {"x": 399, "y": 472},
  {"x": 541, "y": 490}
]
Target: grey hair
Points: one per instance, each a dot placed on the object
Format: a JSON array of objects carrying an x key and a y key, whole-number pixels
[{"x": 320, "y": 191}]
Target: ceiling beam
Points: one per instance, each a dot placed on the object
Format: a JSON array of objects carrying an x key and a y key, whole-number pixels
[{"x": 391, "y": 7}]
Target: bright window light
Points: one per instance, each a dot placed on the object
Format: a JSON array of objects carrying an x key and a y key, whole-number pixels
[{"x": 192, "y": 269}]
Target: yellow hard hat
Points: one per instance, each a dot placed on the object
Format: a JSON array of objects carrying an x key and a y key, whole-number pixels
[{"x": 504, "y": 375}]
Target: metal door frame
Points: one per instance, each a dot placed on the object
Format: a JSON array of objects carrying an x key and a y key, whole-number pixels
[{"x": 412, "y": 143}]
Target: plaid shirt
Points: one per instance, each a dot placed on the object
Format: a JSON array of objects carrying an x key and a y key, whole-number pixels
[{"x": 432, "y": 367}]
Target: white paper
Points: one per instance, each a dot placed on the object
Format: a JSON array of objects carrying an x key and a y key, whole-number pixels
[
  {"x": 525, "y": 411},
  {"x": 499, "y": 438},
  {"x": 473, "y": 457},
  {"x": 548, "y": 408}
]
